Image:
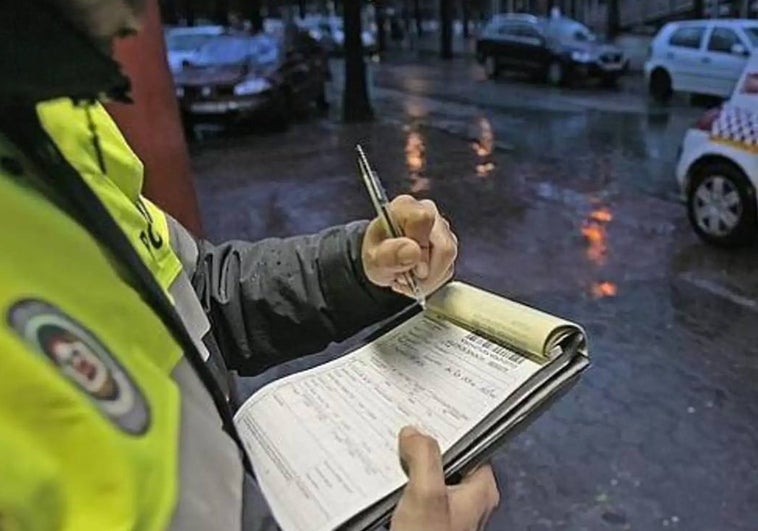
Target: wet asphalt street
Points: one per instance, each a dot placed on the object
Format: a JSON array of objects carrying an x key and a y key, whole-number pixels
[{"x": 564, "y": 199}]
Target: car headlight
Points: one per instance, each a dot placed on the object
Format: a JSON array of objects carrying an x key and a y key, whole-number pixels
[
  {"x": 581, "y": 57},
  {"x": 251, "y": 86}
]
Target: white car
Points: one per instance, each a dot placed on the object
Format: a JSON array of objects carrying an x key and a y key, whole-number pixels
[
  {"x": 718, "y": 167},
  {"x": 699, "y": 56},
  {"x": 182, "y": 43}
]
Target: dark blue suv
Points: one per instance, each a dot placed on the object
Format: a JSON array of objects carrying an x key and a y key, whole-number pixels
[{"x": 558, "y": 50}]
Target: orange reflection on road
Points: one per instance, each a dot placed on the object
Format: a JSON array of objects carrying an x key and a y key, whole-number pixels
[
  {"x": 601, "y": 290},
  {"x": 415, "y": 159},
  {"x": 602, "y": 215},
  {"x": 483, "y": 146},
  {"x": 482, "y": 170},
  {"x": 594, "y": 232}
]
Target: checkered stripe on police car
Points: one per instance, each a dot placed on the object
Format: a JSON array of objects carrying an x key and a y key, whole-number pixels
[{"x": 738, "y": 125}]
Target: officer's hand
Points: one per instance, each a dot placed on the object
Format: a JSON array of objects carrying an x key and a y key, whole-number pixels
[
  {"x": 429, "y": 247},
  {"x": 428, "y": 504}
]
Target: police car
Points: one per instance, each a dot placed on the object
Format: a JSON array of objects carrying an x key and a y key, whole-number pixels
[{"x": 718, "y": 167}]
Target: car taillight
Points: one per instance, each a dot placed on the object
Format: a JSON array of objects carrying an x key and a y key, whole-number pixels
[{"x": 705, "y": 122}]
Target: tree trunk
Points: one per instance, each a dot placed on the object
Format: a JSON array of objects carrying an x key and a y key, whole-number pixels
[
  {"x": 381, "y": 33},
  {"x": 254, "y": 15},
  {"x": 418, "y": 17},
  {"x": 301, "y": 8},
  {"x": 169, "y": 15},
  {"x": 221, "y": 12},
  {"x": 356, "y": 106},
  {"x": 572, "y": 8},
  {"x": 465, "y": 15},
  {"x": 446, "y": 29},
  {"x": 698, "y": 9},
  {"x": 613, "y": 23},
  {"x": 189, "y": 12},
  {"x": 744, "y": 9}
]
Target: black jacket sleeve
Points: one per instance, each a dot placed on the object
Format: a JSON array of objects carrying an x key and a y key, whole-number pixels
[{"x": 278, "y": 299}]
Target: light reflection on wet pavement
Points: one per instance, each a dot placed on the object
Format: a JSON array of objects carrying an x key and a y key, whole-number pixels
[{"x": 576, "y": 216}]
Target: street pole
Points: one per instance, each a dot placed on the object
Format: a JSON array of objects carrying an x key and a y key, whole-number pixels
[
  {"x": 698, "y": 9},
  {"x": 745, "y": 9},
  {"x": 189, "y": 12},
  {"x": 465, "y": 15},
  {"x": 221, "y": 12},
  {"x": 446, "y": 29},
  {"x": 613, "y": 19},
  {"x": 417, "y": 17},
  {"x": 381, "y": 34}
]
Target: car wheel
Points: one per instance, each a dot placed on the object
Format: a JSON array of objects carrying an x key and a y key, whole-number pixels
[
  {"x": 556, "y": 73},
  {"x": 660, "y": 86},
  {"x": 491, "y": 67},
  {"x": 721, "y": 205}
]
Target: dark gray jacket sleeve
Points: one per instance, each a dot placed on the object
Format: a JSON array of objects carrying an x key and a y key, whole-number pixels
[{"x": 278, "y": 299}]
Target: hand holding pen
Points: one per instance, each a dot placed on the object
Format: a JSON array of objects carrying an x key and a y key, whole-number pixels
[{"x": 421, "y": 248}]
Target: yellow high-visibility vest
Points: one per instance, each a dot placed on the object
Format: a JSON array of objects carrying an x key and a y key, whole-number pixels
[{"x": 89, "y": 413}]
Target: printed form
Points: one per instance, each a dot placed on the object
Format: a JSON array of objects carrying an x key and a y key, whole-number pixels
[{"x": 324, "y": 443}]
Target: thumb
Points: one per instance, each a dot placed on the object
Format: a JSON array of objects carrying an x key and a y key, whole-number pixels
[{"x": 422, "y": 461}]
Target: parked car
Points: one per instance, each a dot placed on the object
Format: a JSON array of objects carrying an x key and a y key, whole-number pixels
[
  {"x": 718, "y": 167},
  {"x": 236, "y": 78},
  {"x": 182, "y": 43},
  {"x": 559, "y": 50},
  {"x": 699, "y": 56}
]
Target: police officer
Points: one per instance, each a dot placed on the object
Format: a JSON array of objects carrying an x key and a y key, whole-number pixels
[{"x": 119, "y": 329}]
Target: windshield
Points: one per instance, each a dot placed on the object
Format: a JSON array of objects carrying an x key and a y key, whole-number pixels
[
  {"x": 578, "y": 32},
  {"x": 752, "y": 33},
  {"x": 259, "y": 50},
  {"x": 186, "y": 43}
]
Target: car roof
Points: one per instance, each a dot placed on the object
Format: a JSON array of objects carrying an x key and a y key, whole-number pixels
[
  {"x": 195, "y": 30},
  {"x": 720, "y": 21}
]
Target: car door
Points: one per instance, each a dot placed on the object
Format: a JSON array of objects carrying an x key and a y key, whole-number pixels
[
  {"x": 507, "y": 45},
  {"x": 531, "y": 48},
  {"x": 489, "y": 43},
  {"x": 684, "y": 57},
  {"x": 725, "y": 59}
]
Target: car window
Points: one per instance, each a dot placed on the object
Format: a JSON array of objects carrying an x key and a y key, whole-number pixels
[
  {"x": 689, "y": 37},
  {"x": 578, "y": 32},
  {"x": 260, "y": 50},
  {"x": 723, "y": 40},
  {"x": 752, "y": 34},
  {"x": 493, "y": 28},
  {"x": 186, "y": 43},
  {"x": 507, "y": 30},
  {"x": 528, "y": 31}
]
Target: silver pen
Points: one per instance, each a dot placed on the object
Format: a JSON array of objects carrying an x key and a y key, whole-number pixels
[{"x": 381, "y": 204}]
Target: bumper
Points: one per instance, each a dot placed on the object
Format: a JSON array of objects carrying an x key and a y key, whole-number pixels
[
  {"x": 599, "y": 70},
  {"x": 648, "y": 70},
  {"x": 232, "y": 110},
  {"x": 694, "y": 146}
]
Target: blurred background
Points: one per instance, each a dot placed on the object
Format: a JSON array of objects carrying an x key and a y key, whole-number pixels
[{"x": 597, "y": 158}]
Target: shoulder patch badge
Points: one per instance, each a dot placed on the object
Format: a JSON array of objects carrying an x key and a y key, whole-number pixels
[{"x": 83, "y": 360}]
